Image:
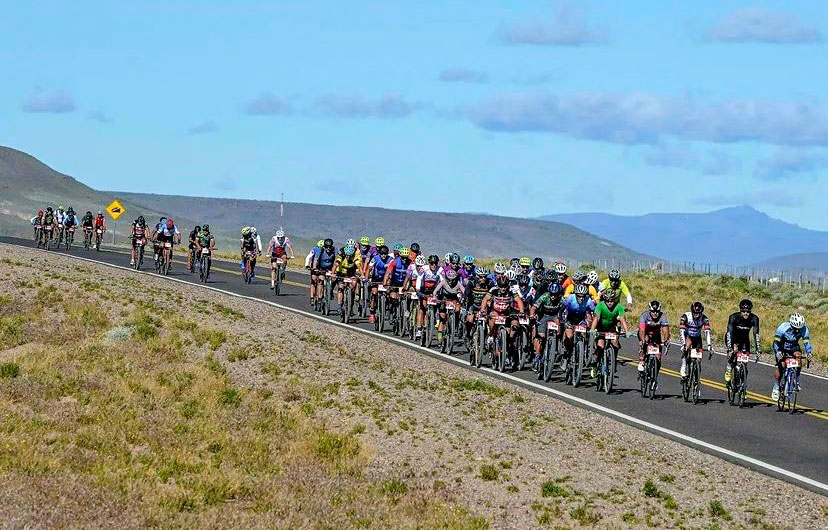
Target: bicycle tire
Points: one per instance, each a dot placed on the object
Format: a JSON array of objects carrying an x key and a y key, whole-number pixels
[
  {"x": 652, "y": 383},
  {"x": 448, "y": 336},
  {"x": 545, "y": 369},
  {"x": 379, "y": 317},
  {"x": 609, "y": 369},
  {"x": 349, "y": 302},
  {"x": 503, "y": 343},
  {"x": 696, "y": 386},
  {"x": 577, "y": 364}
]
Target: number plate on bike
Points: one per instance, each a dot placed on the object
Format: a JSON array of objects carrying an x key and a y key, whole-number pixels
[
  {"x": 432, "y": 301},
  {"x": 610, "y": 336},
  {"x": 413, "y": 296},
  {"x": 580, "y": 329},
  {"x": 524, "y": 321},
  {"x": 552, "y": 326},
  {"x": 381, "y": 288},
  {"x": 500, "y": 320},
  {"x": 743, "y": 357},
  {"x": 279, "y": 261},
  {"x": 653, "y": 350},
  {"x": 792, "y": 363},
  {"x": 100, "y": 231},
  {"x": 167, "y": 245},
  {"x": 696, "y": 353},
  {"x": 205, "y": 251}
]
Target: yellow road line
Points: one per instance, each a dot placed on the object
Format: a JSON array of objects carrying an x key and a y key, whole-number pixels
[{"x": 721, "y": 386}]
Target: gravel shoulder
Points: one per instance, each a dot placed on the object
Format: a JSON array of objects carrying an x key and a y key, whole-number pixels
[{"x": 433, "y": 445}]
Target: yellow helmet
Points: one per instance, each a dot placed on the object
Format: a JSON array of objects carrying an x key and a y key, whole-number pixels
[
  {"x": 379, "y": 241},
  {"x": 320, "y": 243}
]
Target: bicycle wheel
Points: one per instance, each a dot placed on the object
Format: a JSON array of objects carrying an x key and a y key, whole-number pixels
[
  {"x": 428, "y": 332},
  {"x": 577, "y": 363},
  {"x": 448, "y": 336},
  {"x": 481, "y": 344},
  {"x": 685, "y": 386},
  {"x": 609, "y": 368},
  {"x": 696, "y": 386},
  {"x": 652, "y": 382},
  {"x": 379, "y": 316},
  {"x": 503, "y": 344},
  {"x": 545, "y": 368},
  {"x": 349, "y": 304},
  {"x": 166, "y": 264}
]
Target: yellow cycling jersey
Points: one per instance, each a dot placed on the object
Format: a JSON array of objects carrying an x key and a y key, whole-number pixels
[
  {"x": 349, "y": 265},
  {"x": 622, "y": 290},
  {"x": 592, "y": 292}
]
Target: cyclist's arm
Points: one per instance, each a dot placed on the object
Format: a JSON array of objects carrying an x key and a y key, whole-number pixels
[
  {"x": 729, "y": 333},
  {"x": 484, "y": 304},
  {"x": 626, "y": 292},
  {"x": 756, "y": 340},
  {"x": 594, "y": 322},
  {"x": 683, "y": 329},
  {"x": 623, "y": 322},
  {"x": 290, "y": 248},
  {"x": 707, "y": 333}
]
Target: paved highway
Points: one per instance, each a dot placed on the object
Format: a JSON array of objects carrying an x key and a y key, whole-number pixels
[{"x": 789, "y": 446}]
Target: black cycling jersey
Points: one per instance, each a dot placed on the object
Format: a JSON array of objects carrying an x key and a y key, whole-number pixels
[
  {"x": 738, "y": 331},
  {"x": 476, "y": 290},
  {"x": 249, "y": 243}
]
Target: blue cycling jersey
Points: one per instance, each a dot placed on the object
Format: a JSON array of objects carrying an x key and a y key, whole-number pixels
[
  {"x": 400, "y": 270},
  {"x": 326, "y": 259},
  {"x": 380, "y": 266},
  {"x": 574, "y": 311},
  {"x": 787, "y": 337}
]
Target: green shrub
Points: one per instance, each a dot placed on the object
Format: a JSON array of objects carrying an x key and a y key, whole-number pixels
[
  {"x": 489, "y": 472},
  {"x": 9, "y": 370}
]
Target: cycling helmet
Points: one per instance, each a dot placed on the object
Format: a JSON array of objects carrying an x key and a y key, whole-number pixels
[
  {"x": 468, "y": 259},
  {"x": 40, "y": 213},
  {"x": 514, "y": 262},
  {"x": 365, "y": 240},
  {"x": 397, "y": 247},
  {"x": 280, "y": 234},
  {"x": 87, "y": 212},
  {"x": 610, "y": 295},
  {"x": 523, "y": 280},
  {"x": 511, "y": 275},
  {"x": 581, "y": 289},
  {"x": 745, "y": 305},
  {"x": 328, "y": 243},
  {"x": 433, "y": 259},
  {"x": 451, "y": 276},
  {"x": 797, "y": 321},
  {"x": 578, "y": 276},
  {"x": 320, "y": 243},
  {"x": 160, "y": 220},
  {"x": 537, "y": 263},
  {"x": 49, "y": 209},
  {"x": 253, "y": 230},
  {"x": 655, "y": 306},
  {"x": 420, "y": 261},
  {"x": 349, "y": 250},
  {"x": 525, "y": 261},
  {"x": 551, "y": 276},
  {"x": 415, "y": 247},
  {"x": 554, "y": 289},
  {"x": 614, "y": 275},
  {"x": 404, "y": 251},
  {"x": 246, "y": 231},
  {"x": 205, "y": 228},
  {"x": 100, "y": 212},
  {"x": 480, "y": 271},
  {"x": 447, "y": 257},
  {"x": 592, "y": 277},
  {"x": 455, "y": 259},
  {"x": 383, "y": 250},
  {"x": 379, "y": 241},
  {"x": 351, "y": 242},
  {"x": 502, "y": 281},
  {"x": 516, "y": 269},
  {"x": 499, "y": 268},
  {"x": 170, "y": 223},
  {"x": 60, "y": 208},
  {"x": 196, "y": 229},
  {"x": 141, "y": 219},
  {"x": 70, "y": 210},
  {"x": 560, "y": 267},
  {"x": 697, "y": 308}
]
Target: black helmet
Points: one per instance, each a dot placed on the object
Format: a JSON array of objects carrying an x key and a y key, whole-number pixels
[
  {"x": 655, "y": 306},
  {"x": 514, "y": 262},
  {"x": 206, "y": 228},
  {"x": 383, "y": 249},
  {"x": 49, "y": 209},
  {"x": 433, "y": 259},
  {"x": 328, "y": 242},
  {"x": 745, "y": 305},
  {"x": 414, "y": 247},
  {"x": 523, "y": 280},
  {"x": 141, "y": 219},
  {"x": 87, "y": 211},
  {"x": 697, "y": 308},
  {"x": 502, "y": 281},
  {"x": 537, "y": 263},
  {"x": 197, "y": 228},
  {"x": 455, "y": 258},
  {"x": 614, "y": 275}
]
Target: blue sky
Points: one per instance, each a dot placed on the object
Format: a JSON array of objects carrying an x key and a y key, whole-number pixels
[{"x": 515, "y": 108}]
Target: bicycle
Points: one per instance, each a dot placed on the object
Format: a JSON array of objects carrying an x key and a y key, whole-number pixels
[
  {"x": 204, "y": 263},
  {"x": 69, "y": 238},
  {"x": 347, "y": 300},
  {"x": 452, "y": 310},
  {"x": 501, "y": 344},
  {"x": 98, "y": 238},
  {"x": 326, "y": 293},
  {"x": 652, "y": 366},
  {"x": 737, "y": 386},
  {"x": 139, "y": 253},
  {"x": 478, "y": 340},
  {"x": 247, "y": 271},
  {"x": 163, "y": 263},
  {"x": 522, "y": 343},
  {"x": 430, "y": 320},
  {"x": 382, "y": 301},
  {"x": 789, "y": 390},
  {"x": 364, "y": 298},
  {"x": 87, "y": 238},
  {"x": 551, "y": 351},
  {"x": 281, "y": 263},
  {"x": 608, "y": 363},
  {"x": 580, "y": 356},
  {"x": 38, "y": 229},
  {"x": 47, "y": 236},
  {"x": 691, "y": 385}
]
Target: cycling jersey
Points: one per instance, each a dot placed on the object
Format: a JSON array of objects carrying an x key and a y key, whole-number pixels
[
  {"x": 168, "y": 232},
  {"x": 476, "y": 290},
  {"x": 445, "y": 291},
  {"x": 100, "y": 223},
  {"x": 87, "y": 221},
  {"x": 60, "y": 217},
  {"x": 566, "y": 282},
  {"x": 623, "y": 289},
  {"x": 379, "y": 267},
  {"x": 204, "y": 238},
  {"x": 528, "y": 295},
  {"x": 36, "y": 221},
  {"x": 274, "y": 243},
  {"x": 399, "y": 271},
  {"x": 738, "y": 332},
  {"x": 503, "y": 300},
  {"x": 693, "y": 327},
  {"x": 546, "y": 306},
  {"x": 652, "y": 327},
  {"x": 608, "y": 318},
  {"x": 248, "y": 244},
  {"x": 786, "y": 339},
  {"x": 575, "y": 312},
  {"x": 326, "y": 259},
  {"x": 427, "y": 280},
  {"x": 70, "y": 220},
  {"x": 592, "y": 292},
  {"x": 348, "y": 265},
  {"x": 48, "y": 218}
]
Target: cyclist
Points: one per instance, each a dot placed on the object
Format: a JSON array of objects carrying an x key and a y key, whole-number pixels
[
  {"x": 309, "y": 259},
  {"x": 100, "y": 223},
  {"x": 653, "y": 328},
  {"x": 592, "y": 279},
  {"x": 70, "y": 220},
  {"x": 692, "y": 325},
  {"x": 453, "y": 264},
  {"x": 525, "y": 289},
  {"x": 138, "y": 235},
  {"x": 156, "y": 249},
  {"x": 786, "y": 344},
  {"x": 37, "y": 223},
  {"x": 425, "y": 284},
  {"x": 48, "y": 224},
  {"x": 376, "y": 272},
  {"x": 60, "y": 216},
  {"x": 476, "y": 290},
  {"x": 514, "y": 264},
  {"x": 504, "y": 302},
  {"x": 205, "y": 239},
  {"x": 169, "y": 234},
  {"x": 608, "y": 315},
  {"x": 348, "y": 265},
  {"x": 614, "y": 282},
  {"x": 414, "y": 250},
  {"x": 87, "y": 223},
  {"x": 578, "y": 309},
  {"x": 248, "y": 243},
  {"x": 467, "y": 271},
  {"x": 191, "y": 245},
  {"x": 396, "y": 275},
  {"x": 278, "y": 247},
  {"x": 449, "y": 289},
  {"x": 563, "y": 277},
  {"x": 579, "y": 278},
  {"x": 498, "y": 270},
  {"x": 737, "y": 337},
  {"x": 322, "y": 264},
  {"x": 547, "y": 308}
]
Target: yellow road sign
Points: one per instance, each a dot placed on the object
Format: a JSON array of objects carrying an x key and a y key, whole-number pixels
[{"x": 115, "y": 210}]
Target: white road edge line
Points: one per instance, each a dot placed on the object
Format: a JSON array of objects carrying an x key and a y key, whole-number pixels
[{"x": 589, "y": 404}]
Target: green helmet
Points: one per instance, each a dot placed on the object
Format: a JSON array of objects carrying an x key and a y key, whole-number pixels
[{"x": 320, "y": 243}]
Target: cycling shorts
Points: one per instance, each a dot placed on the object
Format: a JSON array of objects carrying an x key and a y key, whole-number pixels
[{"x": 165, "y": 239}]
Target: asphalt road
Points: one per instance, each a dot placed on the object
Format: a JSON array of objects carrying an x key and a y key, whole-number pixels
[{"x": 788, "y": 446}]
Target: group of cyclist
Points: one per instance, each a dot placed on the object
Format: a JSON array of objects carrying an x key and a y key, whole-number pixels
[
  {"x": 54, "y": 225},
  {"x": 525, "y": 287}
]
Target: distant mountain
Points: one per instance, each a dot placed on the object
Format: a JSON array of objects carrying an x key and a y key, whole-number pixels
[
  {"x": 740, "y": 235},
  {"x": 478, "y": 234},
  {"x": 816, "y": 262}
]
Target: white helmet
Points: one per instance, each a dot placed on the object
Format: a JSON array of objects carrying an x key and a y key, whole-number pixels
[
  {"x": 560, "y": 267},
  {"x": 447, "y": 256},
  {"x": 797, "y": 321},
  {"x": 351, "y": 242},
  {"x": 280, "y": 234},
  {"x": 511, "y": 275},
  {"x": 420, "y": 261},
  {"x": 515, "y": 268},
  {"x": 253, "y": 230},
  {"x": 499, "y": 268},
  {"x": 592, "y": 277}
]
